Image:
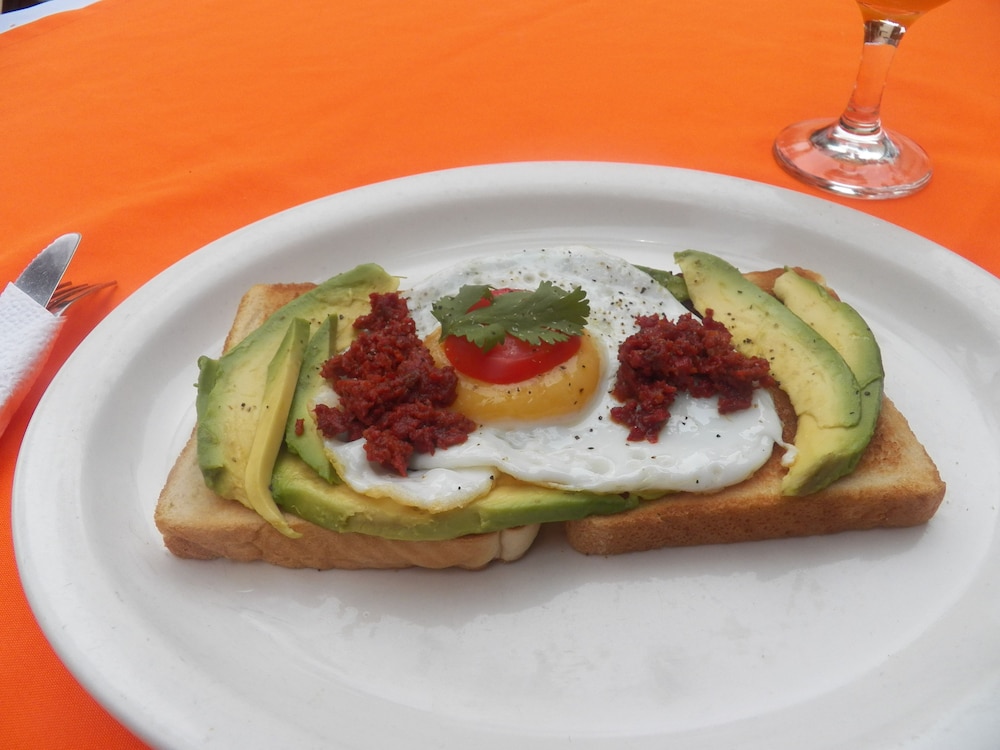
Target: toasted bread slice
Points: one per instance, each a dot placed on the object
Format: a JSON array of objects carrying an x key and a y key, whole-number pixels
[
  {"x": 198, "y": 524},
  {"x": 895, "y": 484}
]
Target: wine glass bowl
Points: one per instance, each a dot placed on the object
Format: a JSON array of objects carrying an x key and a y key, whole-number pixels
[
  {"x": 903, "y": 12},
  {"x": 854, "y": 155}
]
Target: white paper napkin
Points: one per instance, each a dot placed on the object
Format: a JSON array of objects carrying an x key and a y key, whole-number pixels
[{"x": 27, "y": 333}]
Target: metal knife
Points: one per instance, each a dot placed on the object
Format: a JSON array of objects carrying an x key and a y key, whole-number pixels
[{"x": 40, "y": 279}]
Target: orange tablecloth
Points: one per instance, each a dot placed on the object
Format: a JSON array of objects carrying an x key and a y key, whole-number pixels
[{"x": 154, "y": 127}]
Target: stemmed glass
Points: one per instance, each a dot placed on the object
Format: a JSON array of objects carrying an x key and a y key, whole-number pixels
[{"x": 855, "y": 155}]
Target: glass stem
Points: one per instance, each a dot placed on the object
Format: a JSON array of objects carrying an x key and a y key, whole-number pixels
[{"x": 861, "y": 117}]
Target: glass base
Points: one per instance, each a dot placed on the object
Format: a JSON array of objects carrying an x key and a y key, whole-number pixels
[{"x": 825, "y": 155}]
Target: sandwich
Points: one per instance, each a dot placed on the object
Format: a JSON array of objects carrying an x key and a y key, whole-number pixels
[{"x": 353, "y": 425}]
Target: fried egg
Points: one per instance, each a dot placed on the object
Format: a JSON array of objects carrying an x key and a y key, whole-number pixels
[{"x": 579, "y": 448}]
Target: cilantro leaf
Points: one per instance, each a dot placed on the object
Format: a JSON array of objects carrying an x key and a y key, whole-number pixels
[{"x": 547, "y": 315}]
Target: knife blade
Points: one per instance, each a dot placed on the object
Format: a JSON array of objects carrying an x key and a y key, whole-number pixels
[
  {"x": 41, "y": 277},
  {"x": 28, "y": 330}
]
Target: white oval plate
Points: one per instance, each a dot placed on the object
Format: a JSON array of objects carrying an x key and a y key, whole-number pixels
[{"x": 859, "y": 640}]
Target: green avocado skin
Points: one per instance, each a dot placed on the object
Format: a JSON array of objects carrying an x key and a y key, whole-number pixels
[
  {"x": 299, "y": 490},
  {"x": 231, "y": 388}
]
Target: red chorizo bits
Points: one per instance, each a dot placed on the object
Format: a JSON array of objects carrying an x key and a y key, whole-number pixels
[
  {"x": 391, "y": 392},
  {"x": 664, "y": 357}
]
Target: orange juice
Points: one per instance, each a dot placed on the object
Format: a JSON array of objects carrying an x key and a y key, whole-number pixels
[{"x": 901, "y": 11}]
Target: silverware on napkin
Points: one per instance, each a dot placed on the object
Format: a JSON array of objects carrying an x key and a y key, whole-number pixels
[{"x": 27, "y": 328}]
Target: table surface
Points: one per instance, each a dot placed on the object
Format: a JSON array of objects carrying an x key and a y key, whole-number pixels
[{"x": 154, "y": 127}]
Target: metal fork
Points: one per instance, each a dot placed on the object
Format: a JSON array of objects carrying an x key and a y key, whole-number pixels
[{"x": 67, "y": 293}]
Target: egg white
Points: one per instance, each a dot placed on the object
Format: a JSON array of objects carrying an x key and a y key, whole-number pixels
[{"x": 698, "y": 449}]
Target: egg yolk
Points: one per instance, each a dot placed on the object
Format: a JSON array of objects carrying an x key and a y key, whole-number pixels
[{"x": 561, "y": 391}]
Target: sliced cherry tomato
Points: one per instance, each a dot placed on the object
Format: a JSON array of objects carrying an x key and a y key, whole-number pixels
[{"x": 510, "y": 362}]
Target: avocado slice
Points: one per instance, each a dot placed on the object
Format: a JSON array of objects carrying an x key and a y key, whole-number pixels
[
  {"x": 299, "y": 490},
  {"x": 231, "y": 388},
  {"x": 282, "y": 376},
  {"x": 301, "y": 435},
  {"x": 823, "y": 390},
  {"x": 849, "y": 334}
]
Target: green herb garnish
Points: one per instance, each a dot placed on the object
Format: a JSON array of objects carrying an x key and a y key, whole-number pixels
[
  {"x": 673, "y": 282},
  {"x": 546, "y": 315}
]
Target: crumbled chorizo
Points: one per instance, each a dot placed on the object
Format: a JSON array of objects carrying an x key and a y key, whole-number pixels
[
  {"x": 391, "y": 392},
  {"x": 663, "y": 358}
]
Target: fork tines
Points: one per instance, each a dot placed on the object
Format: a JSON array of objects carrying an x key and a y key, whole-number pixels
[{"x": 67, "y": 293}]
